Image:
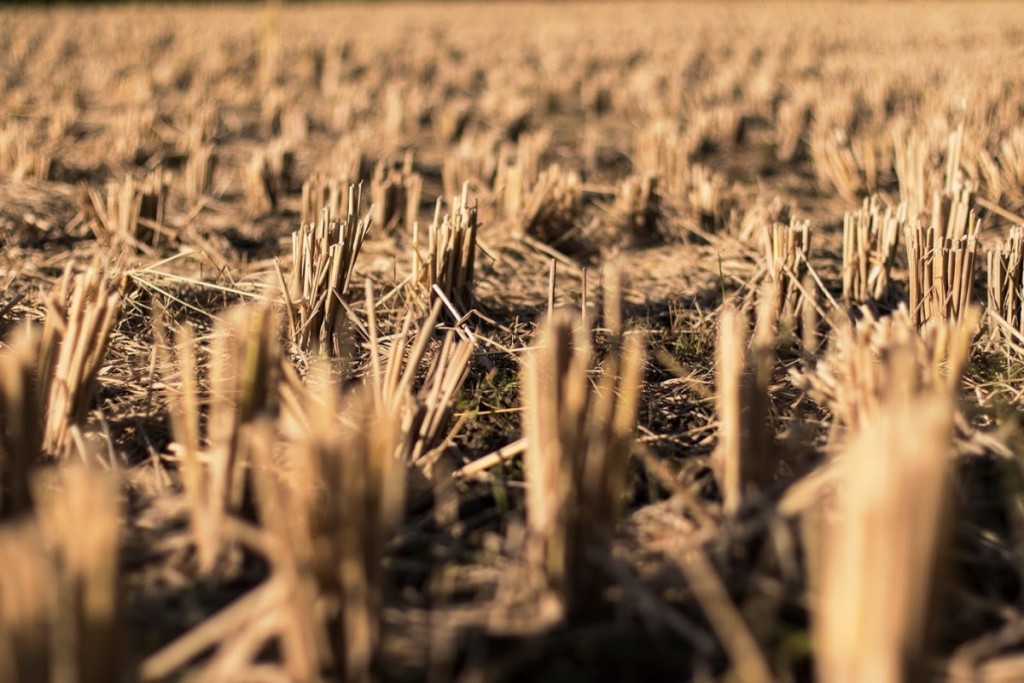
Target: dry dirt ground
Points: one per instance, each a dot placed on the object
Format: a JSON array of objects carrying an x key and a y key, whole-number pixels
[{"x": 178, "y": 147}]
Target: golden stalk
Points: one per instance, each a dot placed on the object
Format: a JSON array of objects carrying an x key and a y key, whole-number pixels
[
  {"x": 323, "y": 262},
  {"x": 451, "y": 253},
  {"x": 21, "y": 420},
  {"x": 133, "y": 213},
  {"x": 425, "y": 412},
  {"x": 68, "y": 370},
  {"x": 1006, "y": 285},
  {"x": 246, "y": 371},
  {"x": 787, "y": 249},
  {"x": 870, "y": 237},
  {"x": 579, "y": 438},
  {"x": 60, "y": 605},
  {"x": 941, "y": 258},
  {"x": 857, "y": 374},
  {"x": 744, "y": 461},
  {"x": 198, "y": 175},
  {"x": 330, "y": 517},
  {"x": 882, "y": 550},
  {"x": 396, "y": 195}
]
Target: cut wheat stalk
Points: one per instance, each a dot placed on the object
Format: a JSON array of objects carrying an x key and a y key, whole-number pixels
[
  {"x": 133, "y": 213},
  {"x": 474, "y": 161},
  {"x": 331, "y": 514},
  {"x": 663, "y": 152},
  {"x": 28, "y": 604},
  {"x": 546, "y": 208},
  {"x": 324, "y": 193},
  {"x": 198, "y": 174},
  {"x": 396, "y": 195},
  {"x": 59, "y": 590},
  {"x": 1006, "y": 284},
  {"x": 88, "y": 621},
  {"x": 21, "y": 156},
  {"x": 21, "y": 420},
  {"x": 323, "y": 262},
  {"x": 268, "y": 176},
  {"x": 744, "y": 460},
  {"x": 246, "y": 370},
  {"x": 424, "y": 412},
  {"x": 787, "y": 248},
  {"x": 941, "y": 257},
  {"x": 870, "y": 238},
  {"x": 881, "y": 552},
  {"x": 857, "y": 374},
  {"x": 1003, "y": 172},
  {"x": 850, "y": 166},
  {"x": 451, "y": 253},
  {"x": 637, "y": 209},
  {"x": 578, "y": 439},
  {"x": 69, "y": 367}
]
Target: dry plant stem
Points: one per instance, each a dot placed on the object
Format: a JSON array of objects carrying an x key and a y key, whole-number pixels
[
  {"x": 854, "y": 379},
  {"x": 396, "y": 195},
  {"x": 882, "y": 550},
  {"x": 451, "y": 253},
  {"x": 578, "y": 443},
  {"x": 426, "y": 412},
  {"x": 86, "y": 327},
  {"x": 941, "y": 257},
  {"x": 28, "y": 604},
  {"x": 245, "y": 379},
  {"x": 787, "y": 248},
  {"x": 323, "y": 263},
  {"x": 1006, "y": 284},
  {"x": 744, "y": 460},
  {"x": 332, "y": 545},
  {"x": 88, "y": 592},
  {"x": 134, "y": 212},
  {"x": 21, "y": 420},
  {"x": 209, "y": 633},
  {"x": 870, "y": 238},
  {"x": 322, "y": 192}
]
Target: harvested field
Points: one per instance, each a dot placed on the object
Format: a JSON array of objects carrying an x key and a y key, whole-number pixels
[{"x": 512, "y": 341}]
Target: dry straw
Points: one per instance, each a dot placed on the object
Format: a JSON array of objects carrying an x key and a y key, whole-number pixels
[
  {"x": 396, "y": 195},
  {"x": 882, "y": 550},
  {"x": 474, "y": 161},
  {"x": 424, "y": 412},
  {"x": 870, "y": 239},
  {"x": 549, "y": 209},
  {"x": 579, "y": 434},
  {"x": 849, "y": 165},
  {"x": 81, "y": 314},
  {"x": 198, "y": 174},
  {"x": 134, "y": 212},
  {"x": 449, "y": 269},
  {"x": 324, "y": 193},
  {"x": 1003, "y": 172},
  {"x": 330, "y": 517},
  {"x": 637, "y": 209},
  {"x": 744, "y": 461},
  {"x": 858, "y": 374},
  {"x": 941, "y": 256},
  {"x": 21, "y": 155},
  {"x": 787, "y": 248},
  {"x": 59, "y": 590},
  {"x": 1006, "y": 288},
  {"x": 323, "y": 263},
  {"x": 245, "y": 373},
  {"x": 268, "y": 176},
  {"x": 21, "y": 419}
]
